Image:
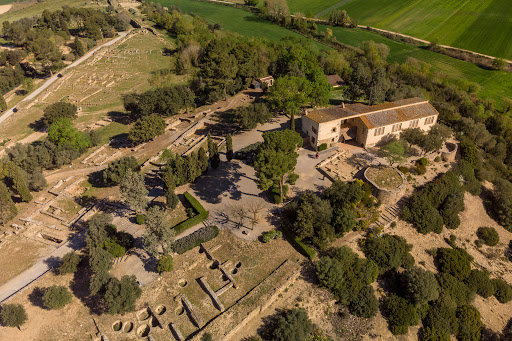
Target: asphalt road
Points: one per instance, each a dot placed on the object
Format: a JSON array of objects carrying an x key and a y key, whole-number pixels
[{"x": 54, "y": 78}]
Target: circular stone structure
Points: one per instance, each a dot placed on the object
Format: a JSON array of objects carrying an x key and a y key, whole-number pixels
[
  {"x": 449, "y": 152},
  {"x": 389, "y": 183}
]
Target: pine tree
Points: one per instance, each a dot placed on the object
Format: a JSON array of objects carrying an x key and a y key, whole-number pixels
[{"x": 229, "y": 147}]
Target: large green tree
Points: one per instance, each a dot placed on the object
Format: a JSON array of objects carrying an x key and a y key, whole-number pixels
[
  {"x": 8, "y": 209},
  {"x": 13, "y": 315},
  {"x": 58, "y": 110},
  {"x": 277, "y": 158},
  {"x": 116, "y": 170},
  {"x": 147, "y": 128},
  {"x": 62, "y": 132},
  {"x": 292, "y": 324},
  {"x": 160, "y": 234},
  {"x": 134, "y": 191},
  {"x": 121, "y": 296}
]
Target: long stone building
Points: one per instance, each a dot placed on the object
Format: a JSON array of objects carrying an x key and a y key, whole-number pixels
[{"x": 366, "y": 125}]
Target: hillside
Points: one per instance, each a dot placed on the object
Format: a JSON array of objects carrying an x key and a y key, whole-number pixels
[{"x": 483, "y": 26}]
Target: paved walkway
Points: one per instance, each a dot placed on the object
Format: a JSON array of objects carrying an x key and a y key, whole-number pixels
[
  {"x": 54, "y": 78},
  {"x": 41, "y": 267}
]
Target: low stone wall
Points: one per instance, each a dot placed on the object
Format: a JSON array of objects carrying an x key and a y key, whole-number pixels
[
  {"x": 388, "y": 196},
  {"x": 448, "y": 155}
]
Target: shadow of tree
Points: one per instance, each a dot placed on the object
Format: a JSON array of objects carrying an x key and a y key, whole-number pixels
[
  {"x": 36, "y": 297},
  {"x": 80, "y": 288},
  {"x": 214, "y": 184}
]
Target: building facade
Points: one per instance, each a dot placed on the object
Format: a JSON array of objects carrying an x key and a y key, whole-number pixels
[{"x": 367, "y": 125}]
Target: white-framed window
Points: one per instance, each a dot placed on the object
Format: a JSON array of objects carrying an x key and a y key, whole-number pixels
[
  {"x": 379, "y": 131},
  {"x": 414, "y": 124},
  {"x": 397, "y": 127},
  {"x": 430, "y": 120}
]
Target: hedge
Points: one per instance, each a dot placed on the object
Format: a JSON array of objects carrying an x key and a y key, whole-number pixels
[
  {"x": 201, "y": 216},
  {"x": 192, "y": 240},
  {"x": 298, "y": 244}
]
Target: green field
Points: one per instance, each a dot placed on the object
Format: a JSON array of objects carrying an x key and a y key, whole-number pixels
[
  {"x": 5, "y": 2},
  {"x": 493, "y": 84},
  {"x": 232, "y": 19},
  {"x": 483, "y": 26}
]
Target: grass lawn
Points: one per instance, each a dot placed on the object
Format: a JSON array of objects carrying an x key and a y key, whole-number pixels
[
  {"x": 493, "y": 84},
  {"x": 387, "y": 177},
  {"x": 483, "y": 26},
  {"x": 6, "y": 2}
]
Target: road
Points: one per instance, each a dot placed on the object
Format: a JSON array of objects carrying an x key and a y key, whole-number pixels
[{"x": 54, "y": 78}]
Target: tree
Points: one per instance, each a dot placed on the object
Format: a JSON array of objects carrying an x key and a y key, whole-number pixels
[
  {"x": 498, "y": 64},
  {"x": 365, "y": 304},
  {"x": 62, "y": 132},
  {"x": 501, "y": 201},
  {"x": 277, "y": 9},
  {"x": 159, "y": 232},
  {"x": 3, "y": 103},
  {"x": 479, "y": 282},
  {"x": 456, "y": 262},
  {"x": 229, "y": 147},
  {"x": 213, "y": 152},
  {"x": 79, "y": 47},
  {"x": 58, "y": 110},
  {"x": 457, "y": 290},
  {"x": 146, "y": 129},
  {"x": 13, "y": 315},
  {"x": 488, "y": 236},
  {"x": 250, "y": 116},
  {"x": 112, "y": 247},
  {"x": 293, "y": 324},
  {"x": 202, "y": 160},
  {"x": 394, "y": 151},
  {"x": 470, "y": 326},
  {"x": 400, "y": 314},
  {"x": 116, "y": 170},
  {"x": 69, "y": 263},
  {"x": 432, "y": 334},
  {"x": 8, "y": 209},
  {"x": 359, "y": 81},
  {"x": 441, "y": 315},
  {"x": 388, "y": 251},
  {"x": 120, "y": 296},
  {"x": 56, "y": 297},
  {"x": 17, "y": 181},
  {"x": 379, "y": 85},
  {"x": 165, "y": 264},
  {"x": 420, "y": 286},
  {"x": 133, "y": 191},
  {"x": 277, "y": 158},
  {"x": 100, "y": 262},
  {"x": 339, "y": 18},
  {"x": 503, "y": 290}
]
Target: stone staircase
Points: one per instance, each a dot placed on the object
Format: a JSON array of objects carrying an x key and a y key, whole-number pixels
[{"x": 390, "y": 213}]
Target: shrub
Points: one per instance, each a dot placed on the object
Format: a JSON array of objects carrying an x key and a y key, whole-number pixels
[
  {"x": 470, "y": 326},
  {"x": 503, "y": 291},
  {"x": 113, "y": 248},
  {"x": 192, "y": 240},
  {"x": 479, "y": 282},
  {"x": 365, "y": 304},
  {"x": 501, "y": 203},
  {"x": 346, "y": 276},
  {"x": 298, "y": 244},
  {"x": 456, "y": 262},
  {"x": 432, "y": 334},
  {"x": 165, "y": 264},
  {"x": 116, "y": 170},
  {"x": 147, "y": 128},
  {"x": 400, "y": 314},
  {"x": 207, "y": 337},
  {"x": 488, "y": 236},
  {"x": 423, "y": 162},
  {"x": 420, "y": 286},
  {"x": 403, "y": 169},
  {"x": 441, "y": 315},
  {"x": 270, "y": 235},
  {"x": 293, "y": 324},
  {"x": 69, "y": 263},
  {"x": 321, "y": 147},
  {"x": 13, "y": 315},
  {"x": 56, "y": 297},
  {"x": 388, "y": 251},
  {"x": 140, "y": 219},
  {"x": 456, "y": 289},
  {"x": 202, "y": 214}
]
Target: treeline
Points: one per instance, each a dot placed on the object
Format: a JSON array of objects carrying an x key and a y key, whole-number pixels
[{"x": 38, "y": 41}]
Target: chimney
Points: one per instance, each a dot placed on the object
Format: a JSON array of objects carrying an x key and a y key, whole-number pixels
[{"x": 343, "y": 105}]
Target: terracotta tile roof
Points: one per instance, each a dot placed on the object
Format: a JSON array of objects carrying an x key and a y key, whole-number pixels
[
  {"x": 335, "y": 80},
  {"x": 377, "y": 115}
]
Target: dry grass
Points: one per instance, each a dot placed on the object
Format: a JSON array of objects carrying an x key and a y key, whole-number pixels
[{"x": 386, "y": 178}]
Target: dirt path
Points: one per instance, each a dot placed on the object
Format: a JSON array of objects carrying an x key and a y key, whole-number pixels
[{"x": 4, "y": 9}]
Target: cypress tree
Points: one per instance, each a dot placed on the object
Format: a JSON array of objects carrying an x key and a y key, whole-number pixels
[
  {"x": 7, "y": 208},
  {"x": 229, "y": 147},
  {"x": 79, "y": 47},
  {"x": 202, "y": 160}
]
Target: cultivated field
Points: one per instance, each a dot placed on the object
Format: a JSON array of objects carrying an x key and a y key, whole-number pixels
[{"x": 483, "y": 26}]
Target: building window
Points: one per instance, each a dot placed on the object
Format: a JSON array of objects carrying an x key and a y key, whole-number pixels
[
  {"x": 430, "y": 120},
  {"x": 414, "y": 124},
  {"x": 397, "y": 127},
  {"x": 334, "y": 129},
  {"x": 332, "y": 140},
  {"x": 379, "y": 131},
  {"x": 313, "y": 140},
  {"x": 314, "y": 130}
]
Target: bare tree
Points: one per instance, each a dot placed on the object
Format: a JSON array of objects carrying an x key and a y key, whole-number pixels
[{"x": 253, "y": 209}]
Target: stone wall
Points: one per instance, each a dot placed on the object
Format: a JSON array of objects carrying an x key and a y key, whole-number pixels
[{"x": 388, "y": 196}]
